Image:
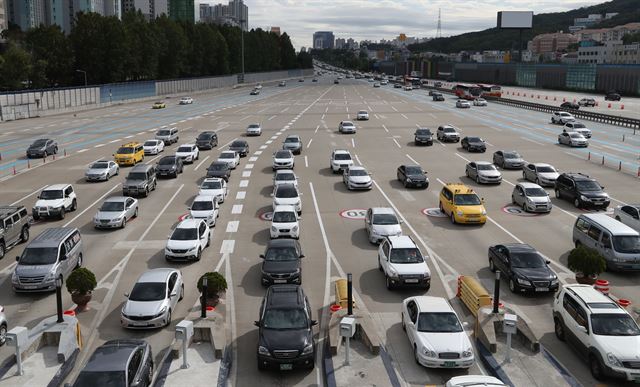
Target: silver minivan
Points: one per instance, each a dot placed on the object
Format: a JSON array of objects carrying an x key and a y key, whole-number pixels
[
  {"x": 52, "y": 254},
  {"x": 618, "y": 243},
  {"x": 168, "y": 135}
]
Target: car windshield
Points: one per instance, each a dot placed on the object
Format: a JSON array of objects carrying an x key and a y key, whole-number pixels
[
  {"x": 101, "y": 378},
  {"x": 254, "y": 126},
  {"x": 347, "y": 123},
  {"x": 202, "y": 205},
  {"x": 385, "y": 219},
  {"x": 627, "y": 244},
  {"x": 358, "y": 172},
  {"x": 150, "y": 143},
  {"x": 282, "y": 155},
  {"x": 614, "y": 324},
  {"x": 51, "y": 194},
  {"x": 406, "y": 255},
  {"x": 148, "y": 291},
  {"x": 211, "y": 185},
  {"x": 565, "y": 114},
  {"x": 291, "y": 140},
  {"x": 218, "y": 166},
  {"x": 285, "y": 176},
  {"x": 342, "y": 156},
  {"x": 281, "y": 254},
  {"x": 238, "y": 144},
  {"x": 137, "y": 176},
  {"x": 575, "y": 135},
  {"x": 204, "y": 136},
  {"x": 449, "y": 130},
  {"x": 125, "y": 150},
  {"x": 284, "y": 319},
  {"x": 545, "y": 169},
  {"x": 440, "y": 322},
  {"x": 467, "y": 200},
  {"x": 423, "y": 132},
  {"x": 100, "y": 165},
  {"x": 362, "y": 112},
  {"x": 39, "y": 143},
  {"x": 227, "y": 155},
  {"x": 528, "y": 260},
  {"x": 184, "y": 149},
  {"x": 184, "y": 234},
  {"x": 535, "y": 192},
  {"x": 286, "y": 192},
  {"x": 39, "y": 256},
  {"x": 474, "y": 139},
  {"x": 588, "y": 185},
  {"x": 167, "y": 160},
  {"x": 284, "y": 217},
  {"x": 486, "y": 167},
  {"x": 112, "y": 207},
  {"x": 163, "y": 133},
  {"x": 578, "y": 125},
  {"x": 511, "y": 155}
]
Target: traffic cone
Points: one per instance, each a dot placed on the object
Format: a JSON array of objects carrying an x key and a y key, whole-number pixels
[
  {"x": 14, "y": 171},
  {"x": 564, "y": 100},
  {"x": 609, "y": 106},
  {"x": 621, "y": 107},
  {"x": 65, "y": 152},
  {"x": 28, "y": 164}
]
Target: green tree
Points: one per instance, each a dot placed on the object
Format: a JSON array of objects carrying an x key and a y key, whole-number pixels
[
  {"x": 142, "y": 46},
  {"x": 288, "y": 58},
  {"x": 15, "y": 68},
  {"x": 51, "y": 55},
  {"x": 173, "y": 49},
  {"x": 232, "y": 37},
  {"x": 305, "y": 60}
]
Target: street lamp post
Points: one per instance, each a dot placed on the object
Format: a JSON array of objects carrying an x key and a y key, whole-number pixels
[
  {"x": 242, "y": 47},
  {"x": 85, "y": 76}
]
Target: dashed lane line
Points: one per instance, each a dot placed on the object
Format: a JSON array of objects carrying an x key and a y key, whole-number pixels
[
  {"x": 232, "y": 226},
  {"x": 237, "y": 209},
  {"x": 200, "y": 163},
  {"x": 240, "y": 195}
]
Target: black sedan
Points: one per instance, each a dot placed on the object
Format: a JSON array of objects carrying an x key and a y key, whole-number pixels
[
  {"x": 423, "y": 136},
  {"x": 612, "y": 96},
  {"x": 412, "y": 176},
  {"x": 219, "y": 169},
  {"x": 570, "y": 105},
  {"x": 207, "y": 140},
  {"x": 240, "y": 146},
  {"x": 474, "y": 144},
  {"x": 281, "y": 262},
  {"x": 169, "y": 166},
  {"x": 524, "y": 267}
]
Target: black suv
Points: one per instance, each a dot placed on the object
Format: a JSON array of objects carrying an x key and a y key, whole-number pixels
[
  {"x": 582, "y": 190},
  {"x": 207, "y": 140},
  {"x": 285, "y": 336},
  {"x": 412, "y": 175},
  {"x": 169, "y": 166},
  {"x": 42, "y": 148},
  {"x": 240, "y": 146},
  {"x": 125, "y": 362},
  {"x": 281, "y": 263},
  {"x": 423, "y": 136},
  {"x": 612, "y": 96},
  {"x": 219, "y": 169}
]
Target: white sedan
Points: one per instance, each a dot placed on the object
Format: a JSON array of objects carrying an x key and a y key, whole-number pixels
[
  {"x": 254, "y": 130},
  {"x": 346, "y": 127},
  {"x": 186, "y": 101},
  {"x": 214, "y": 186},
  {"x": 205, "y": 208},
  {"x": 232, "y": 158},
  {"x": 187, "y": 240},
  {"x": 283, "y": 159},
  {"x": 101, "y": 170},
  {"x": 463, "y": 104},
  {"x": 283, "y": 176},
  {"x": 355, "y": 177},
  {"x": 436, "y": 335},
  {"x": 479, "y": 102},
  {"x": 573, "y": 139},
  {"x": 362, "y": 115},
  {"x": 188, "y": 153},
  {"x": 628, "y": 214},
  {"x": 153, "y": 147}
]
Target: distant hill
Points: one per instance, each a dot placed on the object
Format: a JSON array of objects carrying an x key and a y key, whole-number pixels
[{"x": 495, "y": 39}]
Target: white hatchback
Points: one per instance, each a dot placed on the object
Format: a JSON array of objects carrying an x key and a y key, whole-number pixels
[
  {"x": 187, "y": 240},
  {"x": 283, "y": 159},
  {"x": 205, "y": 208},
  {"x": 232, "y": 158},
  {"x": 284, "y": 222},
  {"x": 214, "y": 186},
  {"x": 283, "y": 176},
  {"x": 188, "y": 153}
]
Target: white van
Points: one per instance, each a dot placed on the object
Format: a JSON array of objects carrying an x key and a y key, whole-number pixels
[{"x": 618, "y": 243}]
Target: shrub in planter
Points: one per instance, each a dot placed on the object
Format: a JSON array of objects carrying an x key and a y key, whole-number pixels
[
  {"x": 80, "y": 284},
  {"x": 587, "y": 263},
  {"x": 216, "y": 284}
]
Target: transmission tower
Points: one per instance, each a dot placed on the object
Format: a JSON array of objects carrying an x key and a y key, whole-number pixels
[{"x": 439, "y": 30}]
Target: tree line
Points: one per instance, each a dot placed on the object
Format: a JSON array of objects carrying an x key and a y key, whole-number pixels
[
  {"x": 343, "y": 58},
  {"x": 107, "y": 49}
]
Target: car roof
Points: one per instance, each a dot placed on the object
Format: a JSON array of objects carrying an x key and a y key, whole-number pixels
[
  {"x": 284, "y": 208},
  {"x": 9, "y": 210},
  {"x": 401, "y": 242},
  {"x": 112, "y": 355},
  {"x": 577, "y": 176},
  {"x": 518, "y": 247},
  {"x": 347, "y": 122},
  {"x": 101, "y": 161},
  {"x": 213, "y": 179},
  {"x": 483, "y": 163},
  {"x": 189, "y": 223},
  {"x": 341, "y": 151},
  {"x": 151, "y": 139},
  {"x": 130, "y": 144},
  {"x": 191, "y": 145},
  {"x": 286, "y": 186},
  {"x": 229, "y": 151},
  {"x": 432, "y": 304},
  {"x": 528, "y": 184},
  {"x": 589, "y": 295},
  {"x": 356, "y": 168},
  {"x": 156, "y": 275},
  {"x": 614, "y": 226},
  {"x": 285, "y": 172},
  {"x": 288, "y": 151},
  {"x": 293, "y": 136},
  {"x": 459, "y": 188},
  {"x": 288, "y": 296},
  {"x": 55, "y": 187},
  {"x": 116, "y": 199},
  {"x": 285, "y": 242},
  {"x": 51, "y": 237},
  {"x": 203, "y": 198},
  {"x": 542, "y": 165},
  {"x": 476, "y": 381},
  {"x": 382, "y": 210}
]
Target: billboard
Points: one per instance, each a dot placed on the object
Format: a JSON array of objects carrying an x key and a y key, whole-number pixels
[{"x": 515, "y": 19}]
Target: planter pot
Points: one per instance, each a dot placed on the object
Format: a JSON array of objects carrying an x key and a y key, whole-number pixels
[
  {"x": 586, "y": 280},
  {"x": 81, "y": 300},
  {"x": 213, "y": 300}
]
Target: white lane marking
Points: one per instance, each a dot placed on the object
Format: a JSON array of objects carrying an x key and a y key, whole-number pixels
[
  {"x": 249, "y": 166},
  {"x": 462, "y": 157},
  {"x": 128, "y": 136},
  {"x": 274, "y": 137},
  {"x": 317, "y": 127},
  {"x": 83, "y": 150},
  {"x": 268, "y": 141},
  {"x": 508, "y": 182},
  {"x": 394, "y": 108},
  {"x": 284, "y": 110},
  {"x": 91, "y": 205},
  {"x": 574, "y": 155},
  {"x": 309, "y": 143},
  {"x": 240, "y": 195},
  {"x": 252, "y": 159},
  {"x": 411, "y": 158},
  {"x": 263, "y": 147},
  {"x": 244, "y": 183},
  {"x": 246, "y": 174},
  {"x": 116, "y": 140},
  {"x": 353, "y": 142},
  {"x": 405, "y": 117},
  {"x": 358, "y": 160},
  {"x": 236, "y": 209},
  {"x": 29, "y": 195},
  {"x": 385, "y": 128},
  {"x": 488, "y": 143},
  {"x": 533, "y": 141},
  {"x": 227, "y": 246},
  {"x": 322, "y": 118},
  {"x": 270, "y": 118},
  {"x": 417, "y": 126},
  {"x": 99, "y": 145},
  {"x": 397, "y": 143},
  {"x": 200, "y": 163},
  {"x": 407, "y": 196},
  {"x": 232, "y": 226},
  {"x": 306, "y": 162},
  {"x": 326, "y": 109},
  {"x": 257, "y": 153}
]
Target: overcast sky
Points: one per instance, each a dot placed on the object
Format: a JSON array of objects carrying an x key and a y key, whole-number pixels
[{"x": 386, "y": 19}]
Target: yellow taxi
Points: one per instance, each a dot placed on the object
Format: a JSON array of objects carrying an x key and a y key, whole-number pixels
[
  {"x": 462, "y": 205},
  {"x": 129, "y": 154},
  {"x": 159, "y": 105}
]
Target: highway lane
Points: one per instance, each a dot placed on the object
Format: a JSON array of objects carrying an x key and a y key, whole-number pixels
[{"x": 381, "y": 145}]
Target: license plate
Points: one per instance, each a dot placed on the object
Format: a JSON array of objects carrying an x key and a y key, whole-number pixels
[
  {"x": 542, "y": 289},
  {"x": 286, "y": 367},
  {"x": 279, "y": 281},
  {"x": 163, "y": 173},
  {"x": 411, "y": 281},
  {"x": 30, "y": 286},
  {"x": 419, "y": 185},
  {"x": 449, "y": 364}
]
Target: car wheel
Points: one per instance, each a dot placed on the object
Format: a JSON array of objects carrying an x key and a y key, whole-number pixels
[
  {"x": 24, "y": 235},
  {"x": 415, "y": 354},
  {"x": 559, "y": 329},
  {"x": 537, "y": 181},
  {"x": 596, "y": 368},
  {"x": 512, "y": 286},
  {"x": 404, "y": 327},
  {"x": 135, "y": 214},
  {"x": 208, "y": 240},
  {"x": 379, "y": 265},
  {"x": 478, "y": 179},
  {"x": 3, "y": 334},
  {"x": 117, "y": 171},
  {"x": 124, "y": 222},
  {"x": 198, "y": 255},
  {"x": 108, "y": 177},
  {"x": 577, "y": 203},
  {"x": 558, "y": 194},
  {"x": 513, "y": 199},
  {"x": 79, "y": 264},
  {"x": 453, "y": 218},
  {"x": 261, "y": 367},
  {"x": 466, "y": 172},
  {"x": 74, "y": 205},
  {"x": 524, "y": 207},
  {"x": 35, "y": 216},
  {"x": 388, "y": 283},
  {"x": 168, "y": 318},
  {"x": 492, "y": 265},
  {"x": 62, "y": 213},
  {"x": 181, "y": 293},
  {"x": 2, "y": 251}
]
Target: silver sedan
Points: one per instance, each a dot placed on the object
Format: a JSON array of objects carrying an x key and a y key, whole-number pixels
[
  {"x": 531, "y": 197},
  {"x": 101, "y": 170},
  {"x": 540, "y": 173},
  {"x": 115, "y": 212},
  {"x": 483, "y": 172}
]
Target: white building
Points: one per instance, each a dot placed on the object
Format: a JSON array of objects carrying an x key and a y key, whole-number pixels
[
  {"x": 4, "y": 20},
  {"x": 150, "y": 8},
  {"x": 611, "y": 52}
]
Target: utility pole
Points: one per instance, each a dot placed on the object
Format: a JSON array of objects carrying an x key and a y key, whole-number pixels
[{"x": 439, "y": 29}]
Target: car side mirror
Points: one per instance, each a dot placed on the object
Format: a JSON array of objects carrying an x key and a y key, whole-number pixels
[
  {"x": 261, "y": 256},
  {"x": 126, "y": 295},
  {"x": 602, "y": 186},
  {"x": 63, "y": 258},
  {"x": 547, "y": 261},
  {"x": 174, "y": 293},
  {"x": 582, "y": 329},
  {"x": 256, "y": 323},
  {"x": 314, "y": 323},
  {"x": 482, "y": 200},
  {"x": 17, "y": 258},
  {"x": 302, "y": 255}
]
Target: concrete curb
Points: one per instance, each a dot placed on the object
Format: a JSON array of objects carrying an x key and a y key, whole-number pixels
[
  {"x": 64, "y": 370},
  {"x": 329, "y": 372},
  {"x": 6, "y": 365},
  {"x": 165, "y": 363},
  {"x": 568, "y": 377},
  {"x": 225, "y": 366},
  {"x": 386, "y": 360},
  {"x": 492, "y": 365}
]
